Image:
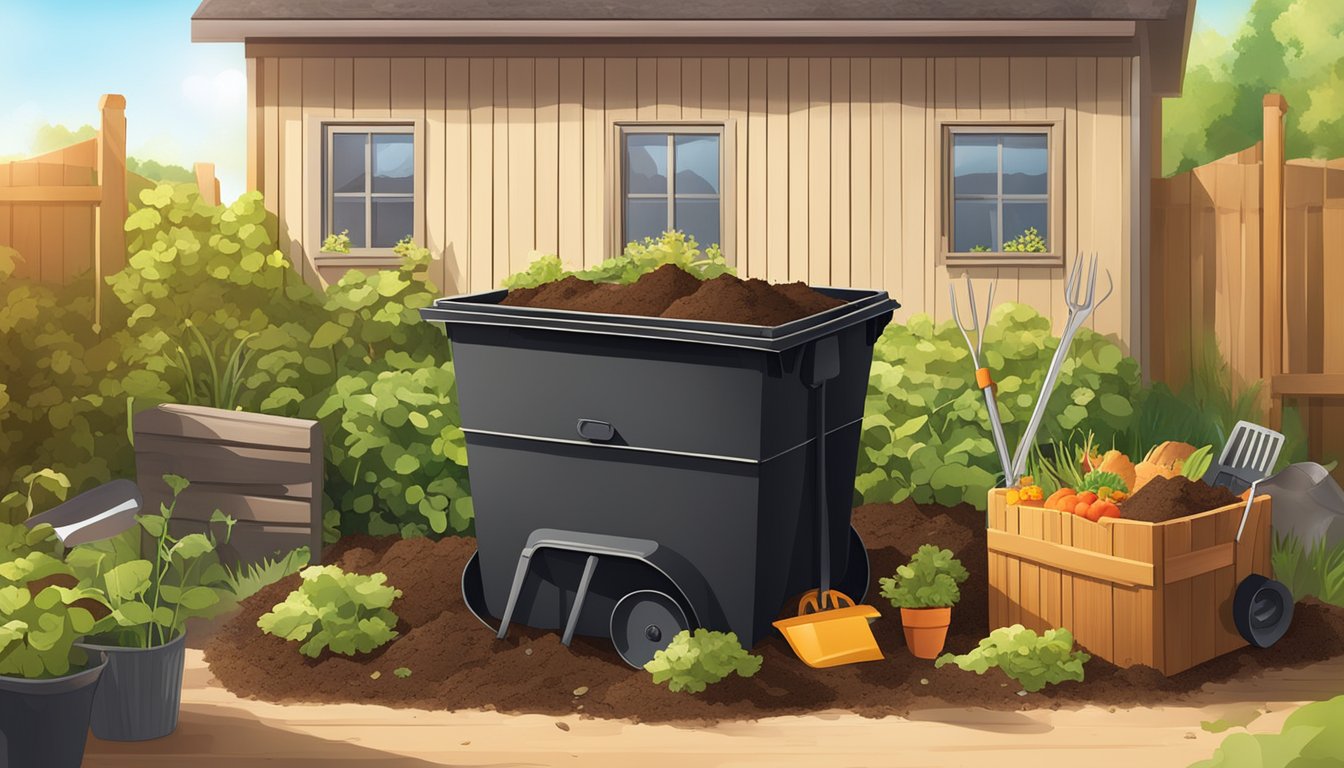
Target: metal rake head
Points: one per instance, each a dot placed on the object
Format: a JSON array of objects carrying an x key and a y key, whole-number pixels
[
  {"x": 974, "y": 327},
  {"x": 1079, "y": 299}
]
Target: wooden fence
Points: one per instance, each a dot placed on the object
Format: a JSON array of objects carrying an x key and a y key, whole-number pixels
[
  {"x": 65, "y": 211},
  {"x": 1249, "y": 250}
]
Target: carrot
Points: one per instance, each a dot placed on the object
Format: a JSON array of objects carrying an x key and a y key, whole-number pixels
[
  {"x": 1088, "y": 496},
  {"x": 1053, "y": 501},
  {"x": 1080, "y": 509},
  {"x": 1101, "y": 508},
  {"x": 1067, "y": 503}
]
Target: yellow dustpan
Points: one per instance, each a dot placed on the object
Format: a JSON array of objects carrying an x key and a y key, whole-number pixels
[{"x": 837, "y": 635}]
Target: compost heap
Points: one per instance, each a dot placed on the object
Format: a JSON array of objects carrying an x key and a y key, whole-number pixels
[
  {"x": 670, "y": 291},
  {"x": 1170, "y": 498},
  {"x": 457, "y": 663}
]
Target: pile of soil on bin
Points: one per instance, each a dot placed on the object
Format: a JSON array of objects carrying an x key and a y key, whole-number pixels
[
  {"x": 457, "y": 663},
  {"x": 1171, "y": 498},
  {"x": 672, "y": 292}
]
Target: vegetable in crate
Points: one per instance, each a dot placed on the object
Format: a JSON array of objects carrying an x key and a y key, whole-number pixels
[
  {"x": 1165, "y": 460},
  {"x": 925, "y": 589}
]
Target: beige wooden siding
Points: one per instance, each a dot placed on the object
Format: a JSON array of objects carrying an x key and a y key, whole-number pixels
[{"x": 835, "y": 173}]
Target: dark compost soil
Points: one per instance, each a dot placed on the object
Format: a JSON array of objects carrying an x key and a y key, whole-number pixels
[
  {"x": 1162, "y": 499},
  {"x": 456, "y": 663},
  {"x": 670, "y": 291}
]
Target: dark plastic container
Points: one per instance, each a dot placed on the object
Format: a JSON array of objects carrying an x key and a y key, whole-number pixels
[
  {"x": 693, "y": 435},
  {"x": 141, "y": 692},
  {"x": 46, "y": 722}
]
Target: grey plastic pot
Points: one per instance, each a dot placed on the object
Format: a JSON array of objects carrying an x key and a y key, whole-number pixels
[
  {"x": 46, "y": 722},
  {"x": 141, "y": 691}
]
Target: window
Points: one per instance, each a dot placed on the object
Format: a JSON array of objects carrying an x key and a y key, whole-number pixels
[
  {"x": 369, "y": 184},
  {"x": 1001, "y": 194},
  {"x": 672, "y": 178}
]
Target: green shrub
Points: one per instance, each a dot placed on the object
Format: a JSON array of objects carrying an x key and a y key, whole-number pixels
[
  {"x": 347, "y": 612},
  {"x": 151, "y": 600},
  {"x": 694, "y": 661},
  {"x": 337, "y": 242},
  {"x": 925, "y": 428},
  {"x": 1029, "y": 241},
  {"x": 929, "y": 580},
  {"x": 1315, "y": 571},
  {"x": 40, "y": 620},
  {"x": 248, "y": 579},
  {"x": 1311, "y": 736},
  {"x": 638, "y": 258},
  {"x": 1034, "y": 661}
]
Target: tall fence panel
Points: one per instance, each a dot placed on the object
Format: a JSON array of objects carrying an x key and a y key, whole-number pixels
[{"x": 1248, "y": 251}]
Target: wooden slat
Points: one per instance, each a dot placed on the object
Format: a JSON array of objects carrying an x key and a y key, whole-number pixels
[
  {"x": 1226, "y": 638},
  {"x": 746, "y": 104},
  {"x": 457, "y": 176},
  {"x": 51, "y": 194},
  {"x": 998, "y": 597},
  {"x": 1013, "y": 570},
  {"x": 690, "y": 89},
  {"x": 289, "y": 205},
  {"x": 1111, "y": 218},
  {"x": 250, "y": 542},
  {"x": 547, "y": 157},
  {"x": 195, "y": 504},
  {"x": 838, "y": 270},
  {"x": 909, "y": 174},
  {"x": 646, "y": 89},
  {"x": 502, "y": 211},
  {"x": 436, "y": 180},
  {"x": 1030, "y": 525},
  {"x": 595, "y": 179},
  {"x": 79, "y": 229},
  {"x": 777, "y": 187},
  {"x": 573, "y": 156},
  {"x": 222, "y": 472},
  {"x": 1203, "y": 597},
  {"x": 1134, "y": 634},
  {"x": 234, "y": 427},
  {"x": 521, "y": 162},
  {"x": 818, "y": 193},
  {"x": 1094, "y": 607},
  {"x": 480, "y": 97},
  {"x": 668, "y": 104},
  {"x": 1092, "y": 563},
  {"x": 27, "y": 226},
  {"x": 888, "y": 137},
  {"x": 1177, "y": 618},
  {"x": 1051, "y": 522},
  {"x": 1202, "y": 561},
  {"x": 799, "y": 169},
  {"x": 862, "y": 165}
]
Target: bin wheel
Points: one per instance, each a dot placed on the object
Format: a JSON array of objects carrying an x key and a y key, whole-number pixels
[
  {"x": 643, "y": 623},
  {"x": 1262, "y": 609}
]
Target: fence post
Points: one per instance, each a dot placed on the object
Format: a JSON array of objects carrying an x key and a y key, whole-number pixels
[
  {"x": 111, "y": 255},
  {"x": 207, "y": 183},
  {"x": 1271, "y": 252}
]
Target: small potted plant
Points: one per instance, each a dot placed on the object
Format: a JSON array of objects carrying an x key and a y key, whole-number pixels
[
  {"x": 47, "y": 682},
  {"x": 144, "y": 634},
  {"x": 925, "y": 589}
]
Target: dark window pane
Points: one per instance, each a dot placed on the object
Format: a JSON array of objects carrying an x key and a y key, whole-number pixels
[
  {"x": 1024, "y": 164},
  {"x": 976, "y": 226},
  {"x": 393, "y": 163},
  {"x": 975, "y": 163},
  {"x": 347, "y": 213},
  {"x": 347, "y": 161},
  {"x": 646, "y": 163},
  {"x": 1019, "y": 216},
  {"x": 697, "y": 164},
  {"x": 393, "y": 219},
  {"x": 699, "y": 219},
  {"x": 645, "y": 217}
]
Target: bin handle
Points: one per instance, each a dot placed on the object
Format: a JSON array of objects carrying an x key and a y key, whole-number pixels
[{"x": 597, "y": 431}]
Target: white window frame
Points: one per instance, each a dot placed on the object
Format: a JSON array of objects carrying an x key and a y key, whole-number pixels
[
  {"x": 724, "y": 129},
  {"x": 319, "y": 200},
  {"x": 1056, "y": 236}
]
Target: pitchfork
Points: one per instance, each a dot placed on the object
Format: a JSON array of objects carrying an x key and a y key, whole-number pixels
[{"x": 1080, "y": 303}]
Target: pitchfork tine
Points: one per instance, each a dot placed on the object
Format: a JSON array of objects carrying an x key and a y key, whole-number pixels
[{"x": 1092, "y": 281}]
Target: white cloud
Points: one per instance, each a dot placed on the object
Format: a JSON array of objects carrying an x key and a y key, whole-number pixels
[{"x": 226, "y": 91}]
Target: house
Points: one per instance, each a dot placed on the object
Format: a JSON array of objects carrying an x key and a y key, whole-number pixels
[{"x": 898, "y": 144}]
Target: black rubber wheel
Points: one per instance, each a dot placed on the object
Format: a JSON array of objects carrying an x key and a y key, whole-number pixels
[
  {"x": 855, "y": 581},
  {"x": 643, "y": 623},
  {"x": 1262, "y": 609}
]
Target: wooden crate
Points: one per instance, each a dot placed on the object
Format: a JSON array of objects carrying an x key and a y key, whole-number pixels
[
  {"x": 264, "y": 471},
  {"x": 1158, "y": 594}
]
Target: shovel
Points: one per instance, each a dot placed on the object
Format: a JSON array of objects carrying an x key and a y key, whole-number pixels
[
  {"x": 830, "y": 629},
  {"x": 93, "y": 515}
]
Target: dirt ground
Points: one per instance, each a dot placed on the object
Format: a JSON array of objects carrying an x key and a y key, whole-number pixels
[{"x": 457, "y": 664}]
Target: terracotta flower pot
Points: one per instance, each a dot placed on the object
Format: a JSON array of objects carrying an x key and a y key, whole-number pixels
[{"x": 925, "y": 630}]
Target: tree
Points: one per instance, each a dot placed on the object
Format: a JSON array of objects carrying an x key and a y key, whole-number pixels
[
  {"x": 53, "y": 136},
  {"x": 1292, "y": 47}
]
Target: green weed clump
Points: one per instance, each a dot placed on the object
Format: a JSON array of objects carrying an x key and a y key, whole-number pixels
[
  {"x": 696, "y": 660},
  {"x": 349, "y": 613},
  {"x": 1033, "y": 660}
]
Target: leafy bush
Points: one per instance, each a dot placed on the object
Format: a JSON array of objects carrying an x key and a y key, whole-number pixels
[
  {"x": 40, "y": 620},
  {"x": 347, "y": 612},
  {"x": 638, "y": 258},
  {"x": 151, "y": 600},
  {"x": 1029, "y": 241},
  {"x": 248, "y": 579},
  {"x": 1311, "y": 736},
  {"x": 925, "y": 428},
  {"x": 337, "y": 243},
  {"x": 1034, "y": 661},
  {"x": 929, "y": 580},
  {"x": 694, "y": 661}
]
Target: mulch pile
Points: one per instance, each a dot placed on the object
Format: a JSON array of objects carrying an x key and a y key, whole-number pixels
[
  {"x": 1171, "y": 498},
  {"x": 456, "y": 662},
  {"x": 670, "y": 291}
]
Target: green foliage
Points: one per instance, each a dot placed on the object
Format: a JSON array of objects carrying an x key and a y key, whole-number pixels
[
  {"x": 694, "y": 661},
  {"x": 1313, "y": 736},
  {"x": 41, "y": 617},
  {"x": 1290, "y": 47},
  {"x": 151, "y": 600},
  {"x": 1198, "y": 463},
  {"x": 638, "y": 258},
  {"x": 1309, "y": 571},
  {"x": 1029, "y": 241},
  {"x": 925, "y": 428},
  {"x": 1034, "y": 661},
  {"x": 248, "y": 579},
  {"x": 347, "y": 612},
  {"x": 929, "y": 580},
  {"x": 1096, "y": 479},
  {"x": 402, "y": 672},
  {"x": 337, "y": 243},
  {"x": 980, "y": 249}
]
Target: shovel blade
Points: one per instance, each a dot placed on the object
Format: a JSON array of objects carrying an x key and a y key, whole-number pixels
[{"x": 833, "y": 637}]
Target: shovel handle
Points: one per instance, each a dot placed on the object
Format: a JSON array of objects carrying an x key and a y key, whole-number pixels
[{"x": 810, "y": 603}]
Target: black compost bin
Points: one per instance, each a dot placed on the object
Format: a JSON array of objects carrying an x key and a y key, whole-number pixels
[{"x": 632, "y": 476}]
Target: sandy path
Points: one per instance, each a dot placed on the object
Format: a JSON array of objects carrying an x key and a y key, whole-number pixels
[{"x": 219, "y": 729}]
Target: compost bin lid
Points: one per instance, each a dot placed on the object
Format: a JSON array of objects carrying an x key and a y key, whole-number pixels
[{"x": 484, "y": 309}]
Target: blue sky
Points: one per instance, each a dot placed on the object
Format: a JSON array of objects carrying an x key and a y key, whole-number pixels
[{"x": 185, "y": 102}]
